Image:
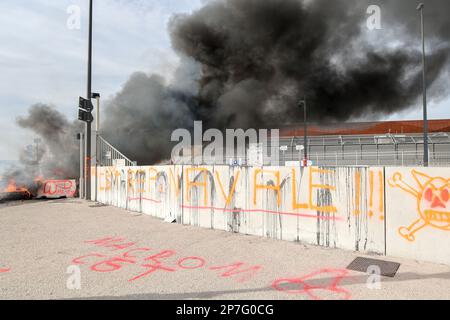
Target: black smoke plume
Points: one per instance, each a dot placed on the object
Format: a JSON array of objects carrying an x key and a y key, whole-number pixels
[
  {"x": 56, "y": 156},
  {"x": 247, "y": 63},
  {"x": 60, "y": 155}
]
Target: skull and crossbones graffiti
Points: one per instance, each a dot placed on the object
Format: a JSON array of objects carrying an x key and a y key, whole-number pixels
[{"x": 433, "y": 202}]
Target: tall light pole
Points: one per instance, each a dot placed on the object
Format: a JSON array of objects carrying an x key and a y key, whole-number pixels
[
  {"x": 424, "y": 84},
  {"x": 302, "y": 104},
  {"x": 87, "y": 168}
]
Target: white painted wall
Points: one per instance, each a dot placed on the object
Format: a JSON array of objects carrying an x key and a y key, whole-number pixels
[
  {"x": 352, "y": 208},
  {"x": 418, "y": 213}
]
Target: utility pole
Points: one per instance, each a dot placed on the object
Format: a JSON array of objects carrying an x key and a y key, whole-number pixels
[
  {"x": 81, "y": 138},
  {"x": 96, "y": 96},
  {"x": 424, "y": 84},
  {"x": 87, "y": 168},
  {"x": 302, "y": 103}
]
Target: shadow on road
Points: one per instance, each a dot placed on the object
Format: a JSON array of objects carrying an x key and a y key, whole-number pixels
[{"x": 322, "y": 283}]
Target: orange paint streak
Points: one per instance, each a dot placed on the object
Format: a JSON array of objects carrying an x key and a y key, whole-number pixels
[
  {"x": 381, "y": 180},
  {"x": 313, "y": 187},
  {"x": 371, "y": 185},
  {"x": 256, "y": 186},
  {"x": 151, "y": 178},
  {"x": 175, "y": 183},
  {"x": 101, "y": 175},
  {"x": 295, "y": 204},
  {"x": 131, "y": 180},
  {"x": 191, "y": 184},
  {"x": 228, "y": 198}
]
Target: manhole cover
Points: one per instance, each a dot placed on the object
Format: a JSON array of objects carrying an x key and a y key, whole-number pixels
[{"x": 388, "y": 269}]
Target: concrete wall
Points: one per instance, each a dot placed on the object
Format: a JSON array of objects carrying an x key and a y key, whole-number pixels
[
  {"x": 418, "y": 207},
  {"x": 53, "y": 189},
  {"x": 350, "y": 208}
]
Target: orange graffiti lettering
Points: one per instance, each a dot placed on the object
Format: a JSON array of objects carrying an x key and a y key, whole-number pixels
[
  {"x": 190, "y": 184},
  {"x": 228, "y": 198},
  {"x": 175, "y": 182},
  {"x": 276, "y": 187},
  {"x": 313, "y": 186},
  {"x": 295, "y": 204}
]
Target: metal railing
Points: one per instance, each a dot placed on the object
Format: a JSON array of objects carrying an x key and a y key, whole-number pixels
[
  {"x": 399, "y": 158},
  {"x": 344, "y": 154},
  {"x": 108, "y": 156}
]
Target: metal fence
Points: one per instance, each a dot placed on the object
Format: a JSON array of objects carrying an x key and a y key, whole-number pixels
[
  {"x": 402, "y": 158},
  {"x": 108, "y": 156},
  {"x": 368, "y": 150},
  {"x": 380, "y": 150}
]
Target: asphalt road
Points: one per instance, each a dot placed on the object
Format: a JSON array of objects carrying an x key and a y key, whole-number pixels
[{"x": 48, "y": 250}]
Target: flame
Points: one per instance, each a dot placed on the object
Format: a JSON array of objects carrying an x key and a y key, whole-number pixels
[{"x": 12, "y": 188}]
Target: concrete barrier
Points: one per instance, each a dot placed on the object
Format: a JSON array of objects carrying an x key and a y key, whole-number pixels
[
  {"x": 54, "y": 189},
  {"x": 418, "y": 206},
  {"x": 354, "y": 208}
]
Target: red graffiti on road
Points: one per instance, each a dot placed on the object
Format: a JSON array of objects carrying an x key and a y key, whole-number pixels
[
  {"x": 234, "y": 269},
  {"x": 155, "y": 262},
  {"x": 166, "y": 261},
  {"x": 305, "y": 285},
  {"x": 5, "y": 270}
]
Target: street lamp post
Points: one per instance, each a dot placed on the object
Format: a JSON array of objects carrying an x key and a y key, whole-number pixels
[
  {"x": 424, "y": 84},
  {"x": 87, "y": 168},
  {"x": 96, "y": 96},
  {"x": 302, "y": 103}
]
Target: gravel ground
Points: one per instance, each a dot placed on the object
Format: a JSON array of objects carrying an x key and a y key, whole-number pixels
[{"x": 40, "y": 242}]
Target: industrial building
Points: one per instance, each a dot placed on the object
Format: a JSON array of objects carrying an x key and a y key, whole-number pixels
[{"x": 395, "y": 143}]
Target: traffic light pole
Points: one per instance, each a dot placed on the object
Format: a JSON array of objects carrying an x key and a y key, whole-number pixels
[
  {"x": 87, "y": 167},
  {"x": 302, "y": 103},
  {"x": 305, "y": 119},
  {"x": 426, "y": 160}
]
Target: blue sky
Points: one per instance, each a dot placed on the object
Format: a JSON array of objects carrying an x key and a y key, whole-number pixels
[{"x": 42, "y": 60}]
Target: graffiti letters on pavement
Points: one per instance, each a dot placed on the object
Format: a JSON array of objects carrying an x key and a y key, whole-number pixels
[{"x": 123, "y": 254}]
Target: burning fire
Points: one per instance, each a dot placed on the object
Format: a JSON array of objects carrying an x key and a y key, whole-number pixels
[
  {"x": 39, "y": 188},
  {"x": 12, "y": 188}
]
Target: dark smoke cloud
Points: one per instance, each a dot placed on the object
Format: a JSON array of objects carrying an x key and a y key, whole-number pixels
[
  {"x": 141, "y": 117},
  {"x": 253, "y": 60},
  {"x": 57, "y": 156},
  {"x": 259, "y": 57}
]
